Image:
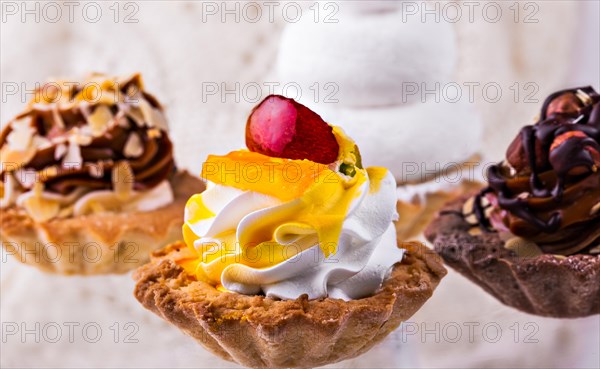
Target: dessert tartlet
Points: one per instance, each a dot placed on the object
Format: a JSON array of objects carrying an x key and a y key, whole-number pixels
[
  {"x": 290, "y": 257},
  {"x": 532, "y": 237},
  {"x": 89, "y": 184}
]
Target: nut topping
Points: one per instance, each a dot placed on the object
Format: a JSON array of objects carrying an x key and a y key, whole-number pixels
[
  {"x": 133, "y": 147},
  {"x": 99, "y": 120},
  {"x": 71, "y": 133}
]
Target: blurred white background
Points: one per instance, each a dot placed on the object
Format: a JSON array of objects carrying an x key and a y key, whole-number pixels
[{"x": 204, "y": 60}]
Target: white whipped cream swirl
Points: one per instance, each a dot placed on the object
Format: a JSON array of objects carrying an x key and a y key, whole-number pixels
[{"x": 366, "y": 249}]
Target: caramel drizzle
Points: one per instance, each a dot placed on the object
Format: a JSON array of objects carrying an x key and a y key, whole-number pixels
[{"x": 570, "y": 155}]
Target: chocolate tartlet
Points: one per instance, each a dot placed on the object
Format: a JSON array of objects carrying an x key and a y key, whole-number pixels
[
  {"x": 532, "y": 237},
  {"x": 88, "y": 181}
]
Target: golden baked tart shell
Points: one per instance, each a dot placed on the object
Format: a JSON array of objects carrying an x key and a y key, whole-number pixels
[
  {"x": 261, "y": 332},
  {"x": 97, "y": 243}
]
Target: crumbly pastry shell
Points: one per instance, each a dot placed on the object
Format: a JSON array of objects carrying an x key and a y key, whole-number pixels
[
  {"x": 260, "y": 332},
  {"x": 545, "y": 285},
  {"x": 99, "y": 243}
]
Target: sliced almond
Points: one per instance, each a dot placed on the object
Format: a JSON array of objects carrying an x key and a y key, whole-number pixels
[
  {"x": 472, "y": 219},
  {"x": 523, "y": 247},
  {"x": 122, "y": 179},
  {"x": 73, "y": 158},
  {"x": 468, "y": 206},
  {"x": 96, "y": 170},
  {"x": 152, "y": 117},
  {"x": 19, "y": 139},
  {"x": 595, "y": 209},
  {"x": 595, "y": 250},
  {"x": 147, "y": 112},
  {"x": 99, "y": 120},
  {"x": 60, "y": 151},
  {"x": 133, "y": 147},
  {"x": 81, "y": 137}
]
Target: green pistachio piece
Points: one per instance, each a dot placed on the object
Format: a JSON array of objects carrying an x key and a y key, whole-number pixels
[{"x": 348, "y": 169}]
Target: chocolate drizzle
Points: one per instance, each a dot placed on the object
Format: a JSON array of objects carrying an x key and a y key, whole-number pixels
[
  {"x": 552, "y": 179},
  {"x": 57, "y": 123}
]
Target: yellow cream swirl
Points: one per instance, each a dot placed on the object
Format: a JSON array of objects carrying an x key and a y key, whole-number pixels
[{"x": 261, "y": 215}]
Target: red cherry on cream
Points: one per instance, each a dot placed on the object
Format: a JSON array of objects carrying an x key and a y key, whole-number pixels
[{"x": 283, "y": 128}]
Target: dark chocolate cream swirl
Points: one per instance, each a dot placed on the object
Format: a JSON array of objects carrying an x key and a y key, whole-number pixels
[
  {"x": 548, "y": 189},
  {"x": 72, "y": 135}
]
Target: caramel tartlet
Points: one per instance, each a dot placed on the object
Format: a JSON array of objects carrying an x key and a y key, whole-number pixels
[
  {"x": 89, "y": 184},
  {"x": 532, "y": 237}
]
